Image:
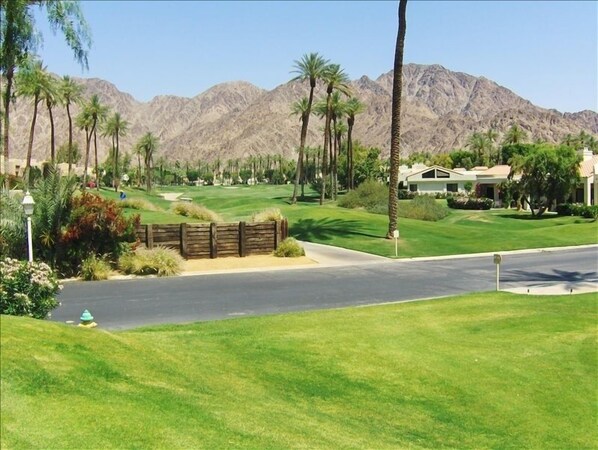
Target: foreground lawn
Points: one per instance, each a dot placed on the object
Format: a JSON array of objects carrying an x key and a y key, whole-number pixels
[
  {"x": 461, "y": 232},
  {"x": 479, "y": 371}
]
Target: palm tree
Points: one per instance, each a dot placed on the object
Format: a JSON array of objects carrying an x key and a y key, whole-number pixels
[
  {"x": 352, "y": 108},
  {"x": 92, "y": 115},
  {"x": 302, "y": 109},
  {"x": 70, "y": 92},
  {"x": 116, "y": 127},
  {"x": 336, "y": 113},
  {"x": 311, "y": 67},
  {"x": 395, "y": 128},
  {"x": 335, "y": 78},
  {"x": 51, "y": 94},
  {"x": 31, "y": 81},
  {"x": 515, "y": 135},
  {"x": 148, "y": 145},
  {"x": 84, "y": 122},
  {"x": 19, "y": 39},
  {"x": 479, "y": 144}
]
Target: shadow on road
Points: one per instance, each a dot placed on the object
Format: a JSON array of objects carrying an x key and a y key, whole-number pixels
[{"x": 555, "y": 276}]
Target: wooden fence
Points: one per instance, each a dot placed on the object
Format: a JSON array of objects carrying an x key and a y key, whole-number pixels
[{"x": 211, "y": 240}]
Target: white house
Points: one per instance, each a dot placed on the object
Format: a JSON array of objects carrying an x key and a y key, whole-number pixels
[{"x": 588, "y": 170}]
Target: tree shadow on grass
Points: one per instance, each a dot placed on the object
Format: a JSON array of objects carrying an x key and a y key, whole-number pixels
[
  {"x": 530, "y": 217},
  {"x": 307, "y": 199},
  {"x": 326, "y": 229}
]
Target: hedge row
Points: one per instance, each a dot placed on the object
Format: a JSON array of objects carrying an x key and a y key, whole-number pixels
[
  {"x": 577, "y": 209},
  {"x": 469, "y": 203}
]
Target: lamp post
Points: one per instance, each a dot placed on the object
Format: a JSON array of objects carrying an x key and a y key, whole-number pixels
[{"x": 28, "y": 204}]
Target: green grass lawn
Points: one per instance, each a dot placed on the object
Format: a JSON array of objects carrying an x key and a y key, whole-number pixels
[
  {"x": 460, "y": 232},
  {"x": 491, "y": 370}
]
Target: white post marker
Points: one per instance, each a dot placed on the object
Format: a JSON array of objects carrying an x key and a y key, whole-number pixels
[
  {"x": 395, "y": 234},
  {"x": 497, "y": 261}
]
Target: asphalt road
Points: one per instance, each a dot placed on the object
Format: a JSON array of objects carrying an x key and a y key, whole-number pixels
[{"x": 131, "y": 303}]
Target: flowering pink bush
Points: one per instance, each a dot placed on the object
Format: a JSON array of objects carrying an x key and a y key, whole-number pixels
[{"x": 27, "y": 289}]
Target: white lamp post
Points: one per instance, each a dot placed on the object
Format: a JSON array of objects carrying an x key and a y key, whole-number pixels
[{"x": 28, "y": 204}]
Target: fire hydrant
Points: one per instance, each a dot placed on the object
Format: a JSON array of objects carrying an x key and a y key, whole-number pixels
[{"x": 87, "y": 320}]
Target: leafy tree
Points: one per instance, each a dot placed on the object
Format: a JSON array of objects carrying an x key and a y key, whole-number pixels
[
  {"x": 19, "y": 39},
  {"x": 443, "y": 160},
  {"x": 70, "y": 93},
  {"x": 64, "y": 156},
  {"x": 395, "y": 128},
  {"x": 311, "y": 67},
  {"x": 548, "y": 175},
  {"x": 481, "y": 147},
  {"x": 462, "y": 158},
  {"x": 352, "y": 108}
]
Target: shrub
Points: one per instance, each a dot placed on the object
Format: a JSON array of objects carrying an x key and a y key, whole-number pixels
[
  {"x": 577, "y": 209},
  {"x": 469, "y": 203},
  {"x": 96, "y": 227},
  {"x": 589, "y": 212},
  {"x": 138, "y": 203},
  {"x": 159, "y": 261},
  {"x": 195, "y": 211},
  {"x": 27, "y": 289},
  {"x": 423, "y": 207},
  {"x": 289, "y": 248},
  {"x": 95, "y": 268},
  {"x": 12, "y": 227},
  {"x": 267, "y": 215},
  {"x": 370, "y": 195}
]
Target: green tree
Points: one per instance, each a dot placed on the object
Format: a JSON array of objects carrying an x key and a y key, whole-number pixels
[
  {"x": 395, "y": 127},
  {"x": 352, "y": 108},
  {"x": 311, "y": 67},
  {"x": 70, "y": 93},
  {"x": 549, "y": 175},
  {"x": 92, "y": 116},
  {"x": 481, "y": 146},
  {"x": 148, "y": 146},
  {"x": 19, "y": 39},
  {"x": 115, "y": 127},
  {"x": 32, "y": 81},
  {"x": 515, "y": 135},
  {"x": 51, "y": 96},
  {"x": 68, "y": 153}
]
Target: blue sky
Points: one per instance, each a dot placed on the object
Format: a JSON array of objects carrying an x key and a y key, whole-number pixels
[{"x": 544, "y": 51}]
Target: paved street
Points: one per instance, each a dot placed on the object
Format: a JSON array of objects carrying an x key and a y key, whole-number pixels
[{"x": 131, "y": 303}]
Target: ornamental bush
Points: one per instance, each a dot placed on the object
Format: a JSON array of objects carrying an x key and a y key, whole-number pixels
[
  {"x": 469, "y": 203},
  {"x": 195, "y": 211},
  {"x": 289, "y": 248},
  {"x": 27, "y": 289},
  {"x": 370, "y": 194},
  {"x": 159, "y": 261},
  {"x": 423, "y": 207}
]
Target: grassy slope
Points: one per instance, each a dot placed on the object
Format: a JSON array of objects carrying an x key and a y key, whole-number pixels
[
  {"x": 460, "y": 232},
  {"x": 484, "y": 370}
]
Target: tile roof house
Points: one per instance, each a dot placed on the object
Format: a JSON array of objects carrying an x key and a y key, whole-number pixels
[{"x": 588, "y": 171}]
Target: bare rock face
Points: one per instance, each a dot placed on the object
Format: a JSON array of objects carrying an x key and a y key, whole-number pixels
[{"x": 232, "y": 120}]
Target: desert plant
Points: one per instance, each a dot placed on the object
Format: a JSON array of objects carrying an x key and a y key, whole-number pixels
[
  {"x": 289, "y": 248},
  {"x": 138, "y": 203},
  {"x": 95, "y": 268},
  {"x": 423, "y": 207},
  {"x": 12, "y": 226},
  {"x": 267, "y": 215},
  {"x": 27, "y": 289},
  {"x": 160, "y": 261},
  {"x": 195, "y": 211}
]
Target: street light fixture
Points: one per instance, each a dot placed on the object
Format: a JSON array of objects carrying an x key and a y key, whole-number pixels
[{"x": 28, "y": 205}]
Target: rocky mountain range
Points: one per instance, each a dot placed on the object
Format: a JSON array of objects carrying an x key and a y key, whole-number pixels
[{"x": 441, "y": 109}]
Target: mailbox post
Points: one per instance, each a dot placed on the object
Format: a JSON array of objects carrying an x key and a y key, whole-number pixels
[
  {"x": 497, "y": 261},
  {"x": 395, "y": 234}
]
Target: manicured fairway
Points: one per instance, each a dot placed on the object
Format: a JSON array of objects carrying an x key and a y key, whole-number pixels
[
  {"x": 460, "y": 232},
  {"x": 480, "y": 371}
]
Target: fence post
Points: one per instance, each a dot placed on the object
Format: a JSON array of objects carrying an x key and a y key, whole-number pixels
[
  {"x": 277, "y": 233},
  {"x": 183, "y": 234},
  {"x": 285, "y": 232},
  {"x": 242, "y": 240},
  {"x": 213, "y": 240},
  {"x": 149, "y": 236}
]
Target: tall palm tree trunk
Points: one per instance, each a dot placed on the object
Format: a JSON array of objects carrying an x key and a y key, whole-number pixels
[
  {"x": 87, "y": 149},
  {"x": 334, "y": 162},
  {"x": 395, "y": 139},
  {"x": 303, "y": 138},
  {"x": 70, "y": 155},
  {"x": 95, "y": 151},
  {"x": 6, "y": 120},
  {"x": 350, "y": 182},
  {"x": 52, "y": 135},
  {"x": 30, "y": 145}
]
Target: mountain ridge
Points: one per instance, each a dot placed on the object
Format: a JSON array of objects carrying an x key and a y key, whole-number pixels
[{"x": 236, "y": 119}]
